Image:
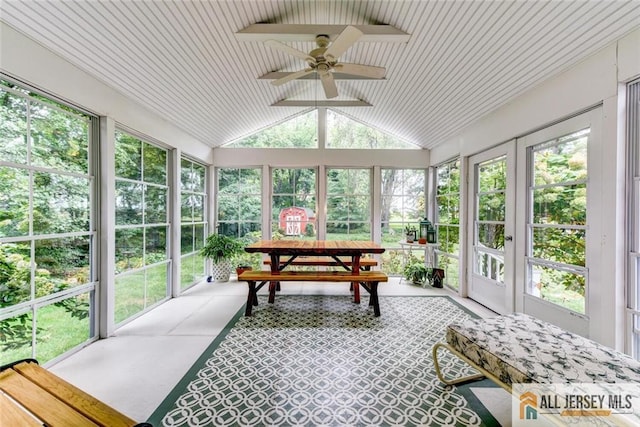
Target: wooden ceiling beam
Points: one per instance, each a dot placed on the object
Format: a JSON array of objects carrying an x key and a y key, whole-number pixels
[
  {"x": 274, "y": 75},
  {"x": 312, "y": 103},
  {"x": 304, "y": 32}
]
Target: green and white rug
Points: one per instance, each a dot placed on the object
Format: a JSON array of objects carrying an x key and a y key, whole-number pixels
[{"x": 322, "y": 361}]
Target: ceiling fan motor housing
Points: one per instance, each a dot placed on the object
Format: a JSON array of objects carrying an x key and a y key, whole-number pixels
[{"x": 322, "y": 63}]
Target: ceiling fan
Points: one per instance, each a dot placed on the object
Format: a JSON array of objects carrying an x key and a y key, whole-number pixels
[{"x": 323, "y": 60}]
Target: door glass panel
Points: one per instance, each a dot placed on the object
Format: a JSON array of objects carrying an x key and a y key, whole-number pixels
[{"x": 490, "y": 218}]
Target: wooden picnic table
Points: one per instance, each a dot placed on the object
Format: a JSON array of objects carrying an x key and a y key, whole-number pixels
[
  {"x": 336, "y": 251},
  {"x": 333, "y": 249}
]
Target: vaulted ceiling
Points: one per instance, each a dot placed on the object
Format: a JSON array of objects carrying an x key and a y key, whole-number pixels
[{"x": 184, "y": 60}]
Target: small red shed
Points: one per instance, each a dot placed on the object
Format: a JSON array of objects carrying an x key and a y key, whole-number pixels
[{"x": 293, "y": 220}]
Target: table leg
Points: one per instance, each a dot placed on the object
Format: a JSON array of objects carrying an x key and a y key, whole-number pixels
[
  {"x": 275, "y": 268},
  {"x": 251, "y": 298},
  {"x": 355, "y": 269},
  {"x": 272, "y": 291},
  {"x": 374, "y": 298},
  {"x": 355, "y": 286}
]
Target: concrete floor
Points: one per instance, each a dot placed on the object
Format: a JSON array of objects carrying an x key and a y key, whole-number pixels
[{"x": 135, "y": 369}]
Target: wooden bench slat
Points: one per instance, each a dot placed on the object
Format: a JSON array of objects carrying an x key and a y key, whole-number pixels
[
  {"x": 314, "y": 276},
  {"x": 79, "y": 400},
  {"x": 13, "y": 415},
  {"x": 323, "y": 261},
  {"x": 368, "y": 279},
  {"x": 43, "y": 405}
]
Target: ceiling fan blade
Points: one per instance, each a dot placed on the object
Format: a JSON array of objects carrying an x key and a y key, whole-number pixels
[
  {"x": 292, "y": 76},
  {"x": 329, "y": 85},
  {"x": 291, "y": 51},
  {"x": 361, "y": 70},
  {"x": 347, "y": 37}
]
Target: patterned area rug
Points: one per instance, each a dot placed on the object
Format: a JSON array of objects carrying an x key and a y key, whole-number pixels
[{"x": 318, "y": 360}]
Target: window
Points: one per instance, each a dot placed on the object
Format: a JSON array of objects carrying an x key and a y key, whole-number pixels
[
  {"x": 240, "y": 202},
  {"x": 557, "y": 222},
  {"x": 142, "y": 227},
  {"x": 348, "y": 204},
  {"x": 293, "y": 203},
  {"x": 447, "y": 220},
  {"x": 47, "y": 233},
  {"x": 301, "y": 131},
  {"x": 402, "y": 204},
  {"x": 193, "y": 219},
  {"x": 343, "y": 132},
  {"x": 298, "y": 132},
  {"x": 633, "y": 155}
]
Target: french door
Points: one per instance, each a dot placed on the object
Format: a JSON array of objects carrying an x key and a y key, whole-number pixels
[{"x": 491, "y": 234}]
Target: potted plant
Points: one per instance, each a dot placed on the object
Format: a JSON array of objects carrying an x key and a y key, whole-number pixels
[
  {"x": 416, "y": 272},
  {"x": 241, "y": 268},
  {"x": 410, "y": 233},
  {"x": 221, "y": 250}
]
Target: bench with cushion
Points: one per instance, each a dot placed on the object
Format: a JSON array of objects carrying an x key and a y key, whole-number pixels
[
  {"x": 518, "y": 348},
  {"x": 257, "y": 279},
  {"x": 33, "y": 396}
]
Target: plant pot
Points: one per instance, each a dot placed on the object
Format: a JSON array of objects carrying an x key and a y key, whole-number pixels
[
  {"x": 410, "y": 238},
  {"x": 221, "y": 271},
  {"x": 242, "y": 269}
]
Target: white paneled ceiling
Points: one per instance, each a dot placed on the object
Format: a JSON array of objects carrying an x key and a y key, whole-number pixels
[{"x": 183, "y": 61}]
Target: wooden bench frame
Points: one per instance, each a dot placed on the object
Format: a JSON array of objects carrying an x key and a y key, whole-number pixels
[
  {"x": 257, "y": 279},
  {"x": 319, "y": 261},
  {"x": 30, "y": 395},
  {"x": 365, "y": 263}
]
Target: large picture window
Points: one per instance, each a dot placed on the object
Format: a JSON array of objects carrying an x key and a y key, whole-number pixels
[
  {"x": 293, "y": 203},
  {"x": 47, "y": 234},
  {"x": 142, "y": 226},
  {"x": 193, "y": 220},
  {"x": 447, "y": 220},
  {"x": 349, "y": 204}
]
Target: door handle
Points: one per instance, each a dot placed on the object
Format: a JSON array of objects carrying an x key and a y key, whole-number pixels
[{"x": 508, "y": 238}]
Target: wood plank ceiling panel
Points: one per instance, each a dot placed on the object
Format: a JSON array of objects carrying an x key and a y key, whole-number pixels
[{"x": 181, "y": 59}]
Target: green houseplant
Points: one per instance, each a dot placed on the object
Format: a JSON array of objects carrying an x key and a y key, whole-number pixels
[
  {"x": 416, "y": 272},
  {"x": 221, "y": 250}
]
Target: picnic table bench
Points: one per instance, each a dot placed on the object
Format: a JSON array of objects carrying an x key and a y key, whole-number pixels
[
  {"x": 314, "y": 261},
  {"x": 257, "y": 279},
  {"x": 30, "y": 395}
]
